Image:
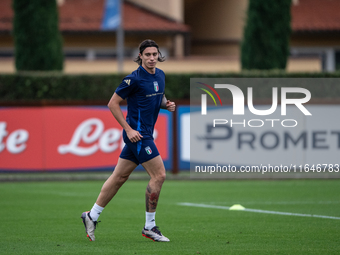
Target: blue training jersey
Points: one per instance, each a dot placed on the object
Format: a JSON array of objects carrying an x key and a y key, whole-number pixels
[{"x": 144, "y": 93}]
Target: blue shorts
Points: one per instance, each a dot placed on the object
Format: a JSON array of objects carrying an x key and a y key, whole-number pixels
[{"x": 139, "y": 152}]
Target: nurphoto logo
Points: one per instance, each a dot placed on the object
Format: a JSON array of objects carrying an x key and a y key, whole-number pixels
[{"x": 238, "y": 103}]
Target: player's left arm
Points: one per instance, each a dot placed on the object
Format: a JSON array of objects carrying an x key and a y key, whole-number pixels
[{"x": 168, "y": 105}]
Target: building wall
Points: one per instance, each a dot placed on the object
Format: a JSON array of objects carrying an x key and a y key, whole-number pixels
[
  {"x": 6, "y": 45},
  {"x": 324, "y": 45},
  {"x": 173, "y": 9},
  {"x": 6, "y": 40},
  {"x": 92, "y": 46},
  {"x": 217, "y": 26},
  {"x": 315, "y": 40},
  {"x": 216, "y": 30}
]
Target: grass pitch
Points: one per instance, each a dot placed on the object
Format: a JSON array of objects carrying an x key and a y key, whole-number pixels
[{"x": 44, "y": 218}]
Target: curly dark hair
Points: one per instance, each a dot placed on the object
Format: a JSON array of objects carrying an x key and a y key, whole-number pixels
[{"x": 148, "y": 43}]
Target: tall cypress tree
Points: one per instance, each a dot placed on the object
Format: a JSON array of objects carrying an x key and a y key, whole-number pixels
[
  {"x": 38, "y": 42},
  {"x": 266, "y": 35}
]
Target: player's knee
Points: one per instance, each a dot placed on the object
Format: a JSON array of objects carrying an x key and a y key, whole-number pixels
[
  {"x": 122, "y": 179},
  {"x": 161, "y": 177}
]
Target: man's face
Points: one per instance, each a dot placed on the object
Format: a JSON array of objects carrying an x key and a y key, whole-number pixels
[{"x": 149, "y": 57}]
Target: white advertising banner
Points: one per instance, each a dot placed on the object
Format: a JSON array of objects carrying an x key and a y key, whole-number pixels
[
  {"x": 266, "y": 141},
  {"x": 286, "y": 136}
]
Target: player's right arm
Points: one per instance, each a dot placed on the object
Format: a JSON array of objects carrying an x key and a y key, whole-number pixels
[{"x": 114, "y": 106}]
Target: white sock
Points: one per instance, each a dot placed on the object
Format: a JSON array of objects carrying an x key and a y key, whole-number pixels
[
  {"x": 150, "y": 220},
  {"x": 96, "y": 211}
]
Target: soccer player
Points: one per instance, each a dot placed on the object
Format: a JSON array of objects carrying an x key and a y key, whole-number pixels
[{"x": 144, "y": 91}]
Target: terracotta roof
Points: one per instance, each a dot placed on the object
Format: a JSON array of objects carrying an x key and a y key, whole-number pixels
[
  {"x": 86, "y": 16},
  {"x": 316, "y": 15},
  {"x": 6, "y": 15},
  {"x": 81, "y": 15}
]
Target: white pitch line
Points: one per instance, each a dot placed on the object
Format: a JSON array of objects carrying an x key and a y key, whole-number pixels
[
  {"x": 282, "y": 202},
  {"x": 261, "y": 211}
]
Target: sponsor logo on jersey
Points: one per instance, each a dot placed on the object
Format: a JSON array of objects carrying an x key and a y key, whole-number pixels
[
  {"x": 148, "y": 150},
  {"x": 127, "y": 81},
  {"x": 155, "y": 85}
]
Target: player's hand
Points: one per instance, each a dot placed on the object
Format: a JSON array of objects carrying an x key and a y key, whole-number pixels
[
  {"x": 134, "y": 136},
  {"x": 170, "y": 106}
]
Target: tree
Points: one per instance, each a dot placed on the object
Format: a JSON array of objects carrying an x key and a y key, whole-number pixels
[
  {"x": 38, "y": 42},
  {"x": 266, "y": 36}
]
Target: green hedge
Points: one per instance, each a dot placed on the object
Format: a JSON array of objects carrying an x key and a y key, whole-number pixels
[
  {"x": 266, "y": 36},
  {"x": 57, "y": 86}
]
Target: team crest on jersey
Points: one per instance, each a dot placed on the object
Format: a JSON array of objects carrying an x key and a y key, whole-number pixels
[
  {"x": 155, "y": 85},
  {"x": 148, "y": 150},
  {"x": 127, "y": 81}
]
